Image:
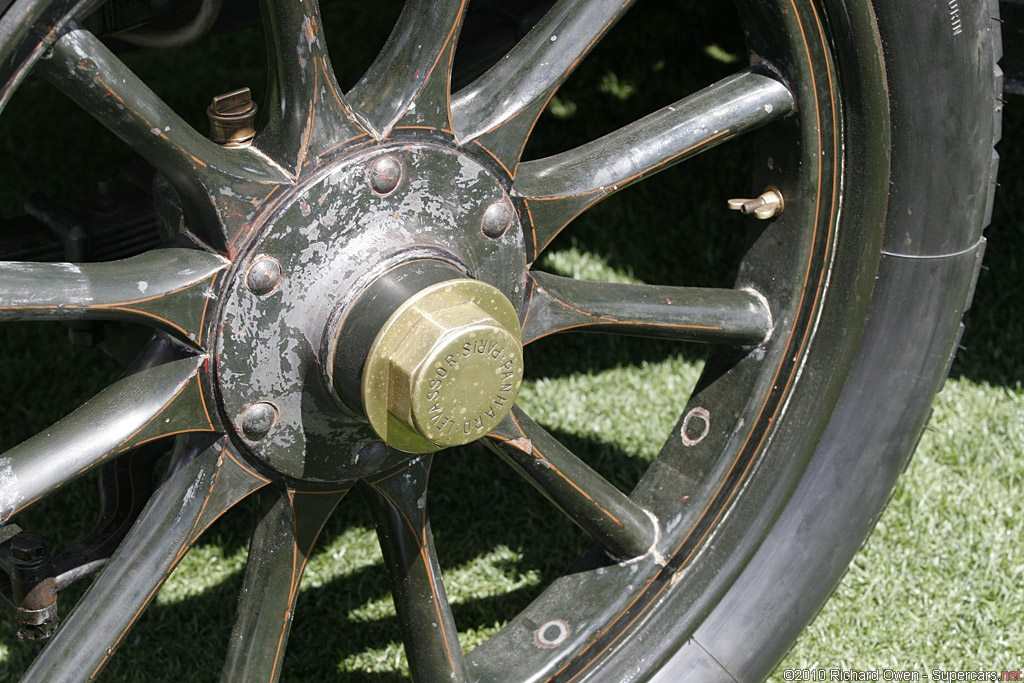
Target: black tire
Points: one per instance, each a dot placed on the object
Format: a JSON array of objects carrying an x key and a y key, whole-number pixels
[
  {"x": 913, "y": 93},
  {"x": 940, "y": 63}
]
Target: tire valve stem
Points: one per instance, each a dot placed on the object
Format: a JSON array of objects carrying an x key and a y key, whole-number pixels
[
  {"x": 232, "y": 118},
  {"x": 766, "y": 206}
]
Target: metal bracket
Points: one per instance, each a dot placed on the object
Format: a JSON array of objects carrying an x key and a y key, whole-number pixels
[{"x": 31, "y": 591}]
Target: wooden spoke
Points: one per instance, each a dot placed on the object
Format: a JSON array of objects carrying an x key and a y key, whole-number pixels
[
  {"x": 306, "y": 112},
  {"x": 201, "y": 171},
  {"x": 614, "y": 521},
  {"x": 560, "y": 187},
  {"x": 148, "y": 405},
  {"x": 195, "y": 495},
  {"x": 168, "y": 289},
  {"x": 408, "y": 85},
  {"x": 399, "y": 507},
  {"x": 499, "y": 109},
  {"x": 721, "y": 316},
  {"x": 288, "y": 526}
]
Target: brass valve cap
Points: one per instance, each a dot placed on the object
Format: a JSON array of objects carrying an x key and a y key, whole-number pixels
[
  {"x": 232, "y": 118},
  {"x": 445, "y": 368}
]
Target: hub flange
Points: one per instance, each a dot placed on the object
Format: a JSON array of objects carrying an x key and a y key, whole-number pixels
[{"x": 329, "y": 239}]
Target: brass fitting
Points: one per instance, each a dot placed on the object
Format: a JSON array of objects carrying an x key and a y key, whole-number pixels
[
  {"x": 768, "y": 205},
  {"x": 445, "y": 368},
  {"x": 233, "y": 118}
]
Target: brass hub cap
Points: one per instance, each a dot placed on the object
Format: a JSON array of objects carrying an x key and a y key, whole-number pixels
[{"x": 445, "y": 368}]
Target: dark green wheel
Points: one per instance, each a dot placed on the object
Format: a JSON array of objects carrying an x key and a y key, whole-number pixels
[{"x": 345, "y": 285}]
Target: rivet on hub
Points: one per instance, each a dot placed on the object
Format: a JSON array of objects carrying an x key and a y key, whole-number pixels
[
  {"x": 233, "y": 118},
  {"x": 263, "y": 276},
  {"x": 258, "y": 419},
  {"x": 385, "y": 173},
  {"x": 497, "y": 218}
]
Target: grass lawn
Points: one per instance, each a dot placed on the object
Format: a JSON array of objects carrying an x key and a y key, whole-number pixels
[{"x": 938, "y": 585}]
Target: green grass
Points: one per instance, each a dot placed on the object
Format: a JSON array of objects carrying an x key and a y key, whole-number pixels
[{"x": 936, "y": 586}]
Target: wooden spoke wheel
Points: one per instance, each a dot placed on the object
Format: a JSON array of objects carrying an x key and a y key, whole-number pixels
[{"x": 349, "y": 280}]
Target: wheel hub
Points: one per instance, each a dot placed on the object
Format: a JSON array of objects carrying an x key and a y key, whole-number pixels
[{"x": 292, "y": 315}]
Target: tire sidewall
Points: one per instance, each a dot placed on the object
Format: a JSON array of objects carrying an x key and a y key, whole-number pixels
[{"x": 927, "y": 78}]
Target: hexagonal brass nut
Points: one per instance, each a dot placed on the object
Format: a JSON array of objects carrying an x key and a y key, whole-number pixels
[{"x": 445, "y": 368}]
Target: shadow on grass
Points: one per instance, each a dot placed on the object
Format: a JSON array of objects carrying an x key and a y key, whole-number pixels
[
  {"x": 476, "y": 505},
  {"x": 993, "y": 341}
]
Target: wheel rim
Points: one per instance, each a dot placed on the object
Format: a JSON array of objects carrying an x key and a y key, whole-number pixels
[{"x": 292, "y": 150}]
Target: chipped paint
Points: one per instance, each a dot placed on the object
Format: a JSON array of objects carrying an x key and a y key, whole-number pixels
[
  {"x": 189, "y": 496},
  {"x": 523, "y": 444},
  {"x": 10, "y": 496},
  {"x": 330, "y": 237}
]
